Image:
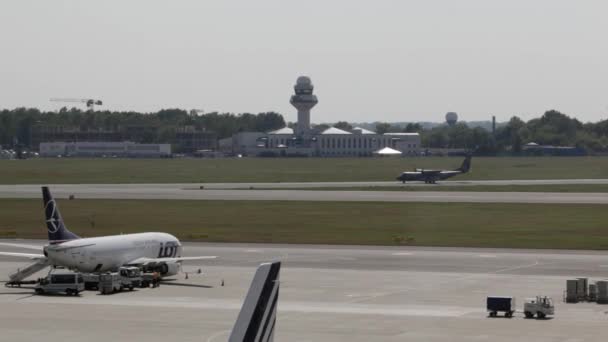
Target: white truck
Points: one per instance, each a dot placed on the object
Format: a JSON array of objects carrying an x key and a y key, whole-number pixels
[
  {"x": 125, "y": 278},
  {"x": 131, "y": 277},
  {"x": 110, "y": 282},
  {"x": 541, "y": 306},
  {"x": 61, "y": 281}
]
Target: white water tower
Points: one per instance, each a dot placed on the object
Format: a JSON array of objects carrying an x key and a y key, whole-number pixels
[{"x": 451, "y": 118}]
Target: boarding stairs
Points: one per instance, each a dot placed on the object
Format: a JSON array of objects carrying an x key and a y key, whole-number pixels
[{"x": 28, "y": 271}]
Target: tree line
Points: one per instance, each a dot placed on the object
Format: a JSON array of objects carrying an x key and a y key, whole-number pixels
[
  {"x": 552, "y": 128},
  {"x": 18, "y": 125}
]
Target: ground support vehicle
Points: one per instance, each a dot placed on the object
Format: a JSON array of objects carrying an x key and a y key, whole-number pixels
[
  {"x": 496, "y": 304},
  {"x": 146, "y": 279},
  {"x": 541, "y": 306},
  {"x": 130, "y": 277},
  {"x": 91, "y": 281},
  {"x": 110, "y": 282},
  {"x": 19, "y": 283},
  {"x": 152, "y": 279},
  {"x": 61, "y": 281}
]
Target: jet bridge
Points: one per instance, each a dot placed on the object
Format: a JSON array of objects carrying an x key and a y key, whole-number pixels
[{"x": 23, "y": 273}]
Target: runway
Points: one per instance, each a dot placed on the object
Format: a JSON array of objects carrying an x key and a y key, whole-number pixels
[
  {"x": 328, "y": 293},
  {"x": 191, "y": 192},
  {"x": 300, "y": 185}
]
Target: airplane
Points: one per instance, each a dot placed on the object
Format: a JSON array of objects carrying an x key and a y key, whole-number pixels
[
  {"x": 432, "y": 176},
  {"x": 159, "y": 252},
  {"x": 257, "y": 318}
]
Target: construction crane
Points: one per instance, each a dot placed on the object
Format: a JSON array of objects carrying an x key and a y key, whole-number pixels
[{"x": 91, "y": 103}]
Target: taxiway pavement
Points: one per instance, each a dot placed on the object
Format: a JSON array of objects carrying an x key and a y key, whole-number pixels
[
  {"x": 191, "y": 192},
  {"x": 328, "y": 293}
]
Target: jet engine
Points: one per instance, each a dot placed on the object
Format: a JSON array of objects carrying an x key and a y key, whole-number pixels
[{"x": 169, "y": 269}]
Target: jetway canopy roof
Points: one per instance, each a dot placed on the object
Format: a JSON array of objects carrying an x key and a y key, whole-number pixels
[
  {"x": 387, "y": 151},
  {"x": 284, "y": 130}
]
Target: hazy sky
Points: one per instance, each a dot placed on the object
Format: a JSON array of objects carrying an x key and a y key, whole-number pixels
[{"x": 369, "y": 60}]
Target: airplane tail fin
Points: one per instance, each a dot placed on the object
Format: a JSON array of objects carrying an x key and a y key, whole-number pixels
[
  {"x": 257, "y": 318},
  {"x": 466, "y": 164},
  {"x": 54, "y": 222}
]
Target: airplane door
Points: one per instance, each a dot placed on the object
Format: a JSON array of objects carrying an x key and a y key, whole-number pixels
[
  {"x": 78, "y": 255},
  {"x": 83, "y": 256}
]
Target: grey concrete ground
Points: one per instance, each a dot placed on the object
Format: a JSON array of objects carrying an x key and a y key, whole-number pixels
[
  {"x": 328, "y": 293},
  {"x": 183, "y": 191},
  {"x": 456, "y": 182},
  {"x": 312, "y": 185}
]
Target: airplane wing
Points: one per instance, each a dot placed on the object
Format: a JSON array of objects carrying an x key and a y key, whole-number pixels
[
  {"x": 143, "y": 261},
  {"x": 60, "y": 248},
  {"x": 24, "y": 255},
  {"x": 18, "y": 245},
  {"x": 39, "y": 248}
]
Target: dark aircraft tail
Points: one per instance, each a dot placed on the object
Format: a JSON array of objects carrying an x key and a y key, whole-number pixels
[
  {"x": 466, "y": 164},
  {"x": 54, "y": 223},
  {"x": 257, "y": 318}
]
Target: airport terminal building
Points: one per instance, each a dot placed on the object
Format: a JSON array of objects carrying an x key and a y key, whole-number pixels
[
  {"x": 104, "y": 149},
  {"x": 306, "y": 141}
]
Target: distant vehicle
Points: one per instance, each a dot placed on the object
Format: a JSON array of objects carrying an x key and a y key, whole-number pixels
[
  {"x": 61, "y": 281},
  {"x": 541, "y": 306},
  {"x": 432, "y": 176},
  {"x": 494, "y": 305},
  {"x": 7, "y": 154},
  {"x": 160, "y": 252}
]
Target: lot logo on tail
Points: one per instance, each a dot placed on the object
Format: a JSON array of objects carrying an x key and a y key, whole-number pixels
[{"x": 52, "y": 222}]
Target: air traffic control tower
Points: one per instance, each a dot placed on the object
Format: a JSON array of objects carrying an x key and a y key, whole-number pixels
[{"x": 303, "y": 100}]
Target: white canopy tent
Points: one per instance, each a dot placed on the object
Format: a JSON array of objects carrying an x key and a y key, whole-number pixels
[{"x": 386, "y": 152}]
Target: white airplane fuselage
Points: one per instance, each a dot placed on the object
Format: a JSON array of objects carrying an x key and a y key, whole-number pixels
[{"x": 108, "y": 253}]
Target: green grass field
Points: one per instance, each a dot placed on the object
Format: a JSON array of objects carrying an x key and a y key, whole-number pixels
[
  {"x": 597, "y": 188},
  {"x": 428, "y": 224},
  {"x": 56, "y": 171}
]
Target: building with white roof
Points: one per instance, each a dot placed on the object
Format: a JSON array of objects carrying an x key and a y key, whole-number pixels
[{"x": 304, "y": 141}]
